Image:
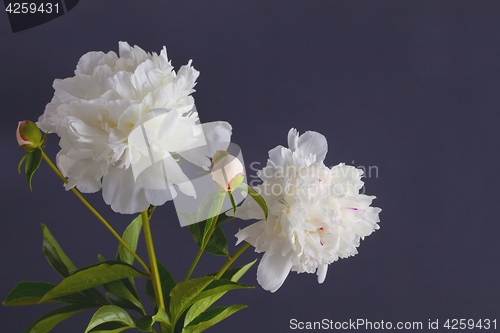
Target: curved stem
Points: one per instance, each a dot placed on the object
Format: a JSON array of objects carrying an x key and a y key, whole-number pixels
[
  {"x": 155, "y": 277},
  {"x": 231, "y": 260},
  {"x": 85, "y": 202}
]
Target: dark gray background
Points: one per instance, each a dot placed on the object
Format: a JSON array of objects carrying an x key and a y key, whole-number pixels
[{"x": 411, "y": 87}]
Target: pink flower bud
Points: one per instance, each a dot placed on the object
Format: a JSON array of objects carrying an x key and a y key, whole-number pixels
[
  {"x": 227, "y": 172},
  {"x": 28, "y": 135}
]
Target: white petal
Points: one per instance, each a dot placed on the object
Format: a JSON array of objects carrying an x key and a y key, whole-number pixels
[
  {"x": 293, "y": 138},
  {"x": 121, "y": 192},
  {"x": 322, "y": 269},
  {"x": 218, "y": 136},
  {"x": 313, "y": 143},
  {"x": 250, "y": 233},
  {"x": 273, "y": 270}
]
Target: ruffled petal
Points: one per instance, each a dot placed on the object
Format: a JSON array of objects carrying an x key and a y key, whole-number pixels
[
  {"x": 313, "y": 143},
  {"x": 120, "y": 190},
  {"x": 250, "y": 233}
]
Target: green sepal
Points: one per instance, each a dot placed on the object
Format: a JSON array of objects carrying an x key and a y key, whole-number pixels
[
  {"x": 55, "y": 255},
  {"x": 49, "y": 320},
  {"x": 211, "y": 317},
  {"x": 33, "y": 160},
  {"x": 110, "y": 313},
  {"x": 256, "y": 196},
  {"x": 28, "y": 293},
  {"x": 233, "y": 203},
  {"x": 93, "y": 276},
  {"x": 21, "y": 163}
]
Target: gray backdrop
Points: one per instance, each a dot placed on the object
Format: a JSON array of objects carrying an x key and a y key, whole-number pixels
[{"x": 411, "y": 87}]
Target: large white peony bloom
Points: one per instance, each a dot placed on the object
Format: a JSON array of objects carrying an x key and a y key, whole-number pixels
[
  {"x": 316, "y": 214},
  {"x": 123, "y": 122}
]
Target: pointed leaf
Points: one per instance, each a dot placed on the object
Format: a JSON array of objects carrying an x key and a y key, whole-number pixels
[
  {"x": 110, "y": 313},
  {"x": 93, "y": 276},
  {"x": 118, "y": 294},
  {"x": 27, "y": 292},
  {"x": 256, "y": 196},
  {"x": 184, "y": 295},
  {"x": 55, "y": 255},
  {"x": 217, "y": 244},
  {"x": 211, "y": 317},
  {"x": 130, "y": 237},
  {"x": 111, "y": 327},
  {"x": 212, "y": 293},
  {"x": 234, "y": 274},
  {"x": 33, "y": 160},
  {"x": 49, "y": 320}
]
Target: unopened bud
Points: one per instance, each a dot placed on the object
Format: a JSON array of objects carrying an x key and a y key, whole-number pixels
[
  {"x": 227, "y": 171},
  {"x": 28, "y": 135}
]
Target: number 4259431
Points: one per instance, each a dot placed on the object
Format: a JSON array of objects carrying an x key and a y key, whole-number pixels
[{"x": 32, "y": 8}]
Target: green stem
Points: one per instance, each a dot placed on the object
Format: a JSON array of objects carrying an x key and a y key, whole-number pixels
[
  {"x": 155, "y": 277},
  {"x": 205, "y": 242},
  {"x": 231, "y": 260},
  {"x": 106, "y": 224}
]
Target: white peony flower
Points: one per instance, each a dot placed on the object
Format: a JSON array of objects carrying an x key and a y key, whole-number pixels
[
  {"x": 123, "y": 120},
  {"x": 316, "y": 214}
]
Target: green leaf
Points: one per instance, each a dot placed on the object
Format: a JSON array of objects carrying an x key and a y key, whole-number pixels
[
  {"x": 162, "y": 317},
  {"x": 212, "y": 293},
  {"x": 92, "y": 276},
  {"x": 119, "y": 294},
  {"x": 234, "y": 274},
  {"x": 232, "y": 202},
  {"x": 211, "y": 317},
  {"x": 27, "y": 293},
  {"x": 184, "y": 294},
  {"x": 110, "y": 313},
  {"x": 49, "y": 320},
  {"x": 111, "y": 327},
  {"x": 130, "y": 237},
  {"x": 256, "y": 196},
  {"x": 55, "y": 255},
  {"x": 33, "y": 160},
  {"x": 167, "y": 284},
  {"x": 217, "y": 244},
  {"x": 144, "y": 324}
]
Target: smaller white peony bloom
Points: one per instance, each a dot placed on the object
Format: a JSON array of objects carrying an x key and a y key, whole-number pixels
[
  {"x": 316, "y": 213},
  {"x": 124, "y": 120}
]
